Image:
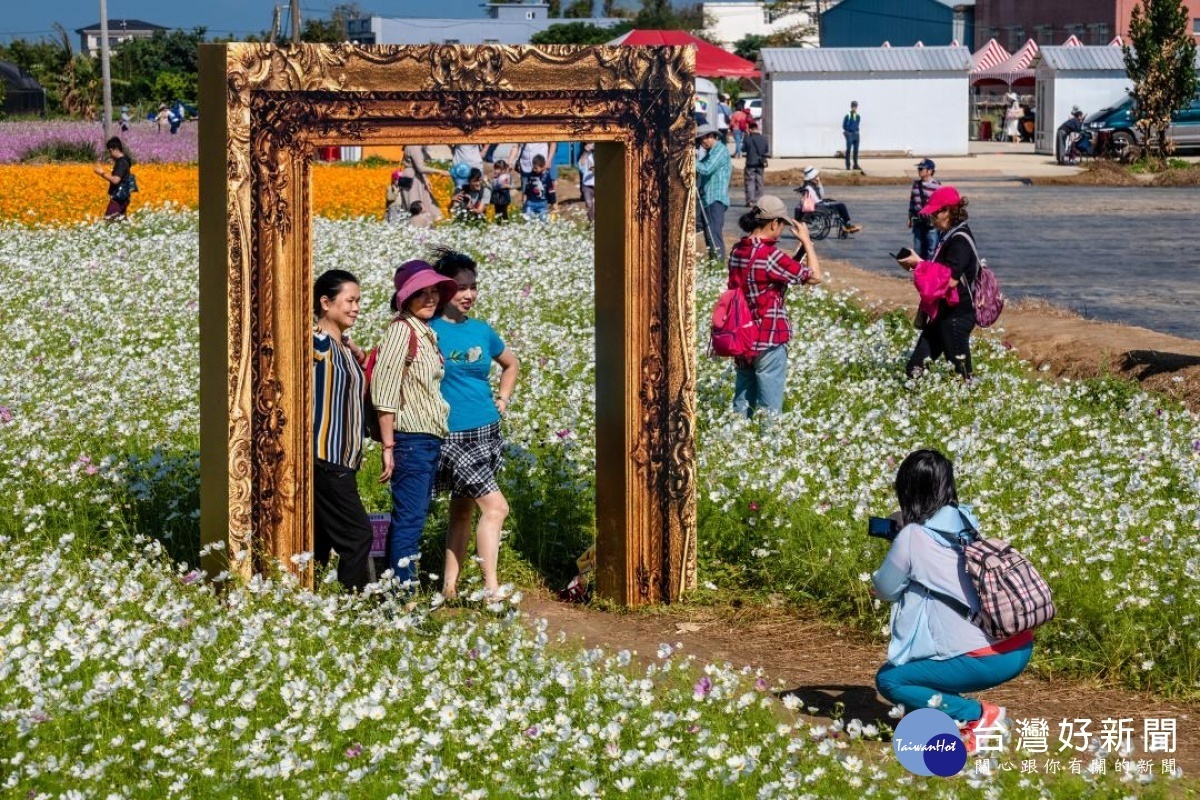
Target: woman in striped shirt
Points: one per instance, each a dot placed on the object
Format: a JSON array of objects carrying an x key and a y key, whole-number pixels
[
  {"x": 339, "y": 520},
  {"x": 406, "y": 391}
]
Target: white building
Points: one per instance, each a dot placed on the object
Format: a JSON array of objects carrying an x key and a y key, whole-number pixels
[
  {"x": 1092, "y": 78},
  {"x": 912, "y": 100},
  {"x": 730, "y": 22},
  {"x": 505, "y": 23},
  {"x": 119, "y": 30}
]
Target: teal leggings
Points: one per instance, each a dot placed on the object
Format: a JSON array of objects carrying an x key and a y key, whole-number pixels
[{"x": 914, "y": 683}]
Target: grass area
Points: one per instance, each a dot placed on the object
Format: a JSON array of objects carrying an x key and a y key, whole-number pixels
[{"x": 126, "y": 671}]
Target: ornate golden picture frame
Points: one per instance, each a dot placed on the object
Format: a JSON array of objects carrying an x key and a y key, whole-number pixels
[{"x": 266, "y": 110}]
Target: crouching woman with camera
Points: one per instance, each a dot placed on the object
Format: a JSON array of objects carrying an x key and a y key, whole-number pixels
[{"x": 935, "y": 652}]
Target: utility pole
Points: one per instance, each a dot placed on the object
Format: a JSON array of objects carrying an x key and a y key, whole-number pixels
[
  {"x": 275, "y": 26},
  {"x": 105, "y": 76},
  {"x": 295, "y": 21}
]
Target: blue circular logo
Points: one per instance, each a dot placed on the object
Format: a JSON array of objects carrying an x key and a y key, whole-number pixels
[{"x": 927, "y": 743}]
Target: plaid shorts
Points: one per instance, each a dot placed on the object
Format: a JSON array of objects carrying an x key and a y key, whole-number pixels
[{"x": 470, "y": 460}]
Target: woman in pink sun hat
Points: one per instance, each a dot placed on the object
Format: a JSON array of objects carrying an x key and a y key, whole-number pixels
[
  {"x": 948, "y": 313},
  {"x": 406, "y": 392}
]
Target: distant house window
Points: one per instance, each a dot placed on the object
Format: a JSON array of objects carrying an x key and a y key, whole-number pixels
[
  {"x": 453, "y": 41},
  {"x": 1098, "y": 33},
  {"x": 1196, "y": 26},
  {"x": 1016, "y": 37},
  {"x": 1044, "y": 34},
  {"x": 528, "y": 15}
]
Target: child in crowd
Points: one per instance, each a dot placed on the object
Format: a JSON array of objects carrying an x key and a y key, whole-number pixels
[
  {"x": 501, "y": 189},
  {"x": 418, "y": 216},
  {"x": 472, "y": 200},
  {"x": 539, "y": 190}
]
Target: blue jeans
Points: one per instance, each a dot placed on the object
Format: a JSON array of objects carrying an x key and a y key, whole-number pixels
[
  {"x": 925, "y": 240},
  {"x": 914, "y": 683},
  {"x": 415, "y": 456},
  {"x": 539, "y": 209},
  {"x": 759, "y": 383},
  {"x": 738, "y": 133},
  {"x": 851, "y": 144}
]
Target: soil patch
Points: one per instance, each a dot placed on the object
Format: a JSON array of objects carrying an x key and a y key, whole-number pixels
[
  {"x": 1098, "y": 173},
  {"x": 825, "y": 665},
  {"x": 1178, "y": 177},
  {"x": 1060, "y": 342},
  {"x": 795, "y": 177}
]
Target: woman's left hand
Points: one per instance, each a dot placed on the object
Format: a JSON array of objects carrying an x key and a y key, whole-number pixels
[
  {"x": 909, "y": 262},
  {"x": 502, "y": 406}
]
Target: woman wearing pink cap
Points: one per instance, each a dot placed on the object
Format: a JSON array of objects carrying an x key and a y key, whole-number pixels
[
  {"x": 406, "y": 391},
  {"x": 944, "y": 300},
  {"x": 398, "y": 201}
]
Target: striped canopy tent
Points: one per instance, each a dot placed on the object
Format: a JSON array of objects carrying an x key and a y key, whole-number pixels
[
  {"x": 988, "y": 56},
  {"x": 1013, "y": 71},
  {"x": 1073, "y": 41},
  {"x": 1117, "y": 41}
]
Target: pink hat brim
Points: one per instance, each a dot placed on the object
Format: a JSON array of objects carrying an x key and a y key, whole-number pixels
[{"x": 421, "y": 279}]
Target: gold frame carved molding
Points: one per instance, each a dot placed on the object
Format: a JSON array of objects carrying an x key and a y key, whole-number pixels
[{"x": 266, "y": 111}]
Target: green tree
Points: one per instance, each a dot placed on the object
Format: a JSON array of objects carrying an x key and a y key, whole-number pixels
[
  {"x": 328, "y": 31},
  {"x": 609, "y": 8},
  {"x": 137, "y": 64},
  {"x": 170, "y": 86},
  {"x": 578, "y": 33},
  {"x": 1160, "y": 59},
  {"x": 578, "y": 9},
  {"x": 749, "y": 46}
]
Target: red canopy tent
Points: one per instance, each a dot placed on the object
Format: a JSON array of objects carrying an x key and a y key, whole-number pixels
[{"x": 711, "y": 61}]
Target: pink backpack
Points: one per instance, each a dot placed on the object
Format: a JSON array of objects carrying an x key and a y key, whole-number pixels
[
  {"x": 985, "y": 292},
  {"x": 733, "y": 330}
]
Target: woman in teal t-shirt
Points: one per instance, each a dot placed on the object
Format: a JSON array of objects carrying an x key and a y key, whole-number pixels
[{"x": 471, "y": 456}]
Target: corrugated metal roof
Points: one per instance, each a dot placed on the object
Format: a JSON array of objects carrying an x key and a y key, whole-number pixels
[
  {"x": 866, "y": 59},
  {"x": 1093, "y": 57},
  {"x": 1079, "y": 58}
]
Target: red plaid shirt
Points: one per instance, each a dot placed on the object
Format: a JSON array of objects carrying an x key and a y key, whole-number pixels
[{"x": 765, "y": 272}]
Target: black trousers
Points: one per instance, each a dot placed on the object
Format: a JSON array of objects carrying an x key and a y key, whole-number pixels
[
  {"x": 340, "y": 523},
  {"x": 839, "y": 209},
  {"x": 949, "y": 336}
]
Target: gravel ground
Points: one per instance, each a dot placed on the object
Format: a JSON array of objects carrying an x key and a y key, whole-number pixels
[{"x": 1127, "y": 255}]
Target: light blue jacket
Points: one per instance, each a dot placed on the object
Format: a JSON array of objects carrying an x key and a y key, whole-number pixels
[{"x": 924, "y": 626}]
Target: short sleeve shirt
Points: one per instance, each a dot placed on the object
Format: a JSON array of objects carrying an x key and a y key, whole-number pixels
[
  {"x": 121, "y": 168},
  {"x": 469, "y": 348}
]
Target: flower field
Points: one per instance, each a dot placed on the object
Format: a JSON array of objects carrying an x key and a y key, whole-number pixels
[
  {"x": 56, "y": 194},
  {"x": 122, "y": 675},
  {"x": 142, "y": 139}
]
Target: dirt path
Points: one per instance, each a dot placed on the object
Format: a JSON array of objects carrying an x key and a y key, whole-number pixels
[
  {"x": 825, "y": 664},
  {"x": 1067, "y": 344}
]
